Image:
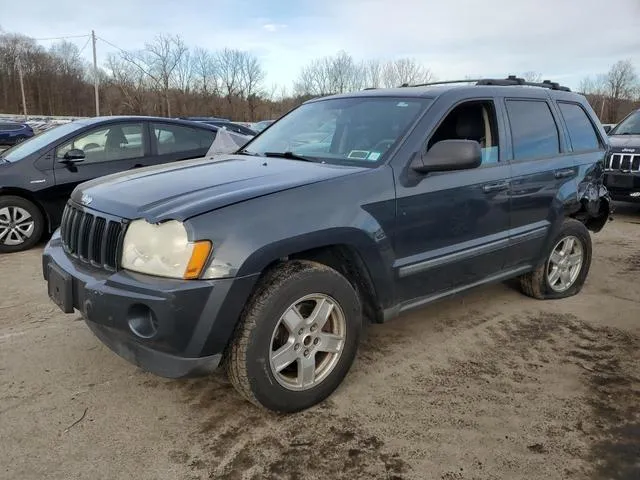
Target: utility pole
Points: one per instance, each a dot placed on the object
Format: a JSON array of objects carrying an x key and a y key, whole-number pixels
[
  {"x": 95, "y": 73},
  {"x": 24, "y": 100}
]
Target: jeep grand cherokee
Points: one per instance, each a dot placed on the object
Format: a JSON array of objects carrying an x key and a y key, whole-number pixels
[{"x": 267, "y": 261}]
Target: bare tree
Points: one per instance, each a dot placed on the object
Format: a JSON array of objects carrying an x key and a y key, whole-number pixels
[
  {"x": 229, "y": 68},
  {"x": 532, "y": 76},
  {"x": 159, "y": 61},
  {"x": 622, "y": 80},
  {"x": 204, "y": 64},
  {"x": 166, "y": 77},
  {"x": 162, "y": 58},
  {"x": 130, "y": 81},
  {"x": 328, "y": 75},
  {"x": 251, "y": 78},
  {"x": 184, "y": 72},
  {"x": 622, "y": 84},
  {"x": 405, "y": 71},
  {"x": 372, "y": 73}
]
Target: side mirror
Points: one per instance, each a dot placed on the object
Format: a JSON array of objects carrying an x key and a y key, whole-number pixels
[
  {"x": 607, "y": 128},
  {"x": 448, "y": 155},
  {"x": 74, "y": 155}
]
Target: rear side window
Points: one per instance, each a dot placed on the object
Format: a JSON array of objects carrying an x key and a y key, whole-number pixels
[
  {"x": 181, "y": 139},
  {"x": 581, "y": 132},
  {"x": 533, "y": 130}
]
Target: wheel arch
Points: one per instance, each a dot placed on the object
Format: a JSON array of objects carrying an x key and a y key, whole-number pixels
[{"x": 352, "y": 252}]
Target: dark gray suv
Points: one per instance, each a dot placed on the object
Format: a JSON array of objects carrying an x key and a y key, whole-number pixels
[{"x": 268, "y": 261}]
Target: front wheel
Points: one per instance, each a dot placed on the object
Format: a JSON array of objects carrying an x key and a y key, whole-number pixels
[
  {"x": 566, "y": 265},
  {"x": 297, "y": 337},
  {"x": 21, "y": 224}
]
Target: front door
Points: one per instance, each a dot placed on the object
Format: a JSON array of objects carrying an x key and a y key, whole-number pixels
[
  {"x": 107, "y": 149},
  {"x": 453, "y": 227}
]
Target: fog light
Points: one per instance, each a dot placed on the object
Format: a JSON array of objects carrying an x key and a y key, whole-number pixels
[{"x": 142, "y": 321}]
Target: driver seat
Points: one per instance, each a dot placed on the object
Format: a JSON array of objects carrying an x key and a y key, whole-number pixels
[
  {"x": 470, "y": 125},
  {"x": 113, "y": 145}
]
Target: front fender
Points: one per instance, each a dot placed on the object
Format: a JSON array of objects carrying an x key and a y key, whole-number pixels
[{"x": 374, "y": 249}]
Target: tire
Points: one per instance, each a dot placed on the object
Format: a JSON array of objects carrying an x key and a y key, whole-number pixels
[
  {"x": 542, "y": 284},
  {"x": 262, "y": 331},
  {"x": 23, "y": 235}
]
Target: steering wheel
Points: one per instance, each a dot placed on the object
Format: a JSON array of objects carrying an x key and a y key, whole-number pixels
[{"x": 383, "y": 145}]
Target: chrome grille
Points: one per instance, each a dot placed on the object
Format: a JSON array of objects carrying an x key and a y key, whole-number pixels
[
  {"x": 91, "y": 238},
  {"x": 623, "y": 162}
]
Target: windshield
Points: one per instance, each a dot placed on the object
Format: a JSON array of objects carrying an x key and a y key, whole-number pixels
[
  {"x": 357, "y": 130},
  {"x": 34, "y": 144},
  {"x": 628, "y": 126}
]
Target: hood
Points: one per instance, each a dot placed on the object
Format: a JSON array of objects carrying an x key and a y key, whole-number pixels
[
  {"x": 627, "y": 142},
  {"x": 188, "y": 188}
]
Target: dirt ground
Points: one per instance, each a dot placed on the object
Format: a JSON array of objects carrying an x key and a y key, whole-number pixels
[{"x": 490, "y": 385}]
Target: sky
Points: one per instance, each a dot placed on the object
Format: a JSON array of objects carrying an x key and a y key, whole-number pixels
[{"x": 564, "y": 40}]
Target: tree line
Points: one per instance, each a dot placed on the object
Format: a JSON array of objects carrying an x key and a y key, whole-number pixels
[{"x": 169, "y": 78}]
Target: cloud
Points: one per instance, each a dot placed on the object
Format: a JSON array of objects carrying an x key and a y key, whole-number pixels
[
  {"x": 273, "y": 27},
  {"x": 562, "y": 39}
]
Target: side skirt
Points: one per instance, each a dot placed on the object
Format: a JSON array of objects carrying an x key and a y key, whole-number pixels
[{"x": 393, "y": 312}]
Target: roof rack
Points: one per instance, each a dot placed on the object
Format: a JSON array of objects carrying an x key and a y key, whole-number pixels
[{"x": 511, "y": 80}]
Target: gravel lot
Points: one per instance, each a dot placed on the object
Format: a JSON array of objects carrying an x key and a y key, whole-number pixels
[{"x": 485, "y": 386}]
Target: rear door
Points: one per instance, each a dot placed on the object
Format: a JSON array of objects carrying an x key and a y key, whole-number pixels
[
  {"x": 543, "y": 176},
  {"x": 173, "y": 142}
]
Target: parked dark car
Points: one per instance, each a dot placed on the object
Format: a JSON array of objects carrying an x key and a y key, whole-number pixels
[
  {"x": 232, "y": 127},
  {"x": 623, "y": 164},
  {"x": 38, "y": 175},
  {"x": 269, "y": 260},
  {"x": 12, "y": 133}
]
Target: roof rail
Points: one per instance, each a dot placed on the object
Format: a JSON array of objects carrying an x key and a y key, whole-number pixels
[{"x": 511, "y": 80}]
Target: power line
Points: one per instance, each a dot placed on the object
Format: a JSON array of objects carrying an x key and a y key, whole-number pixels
[
  {"x": 61, "y": 38},
  {"x": 85, "y": 46},
  {"x": 111, "y": 44}
]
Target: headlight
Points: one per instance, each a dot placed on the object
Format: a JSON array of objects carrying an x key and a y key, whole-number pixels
[{"x": 163, "y": 250}]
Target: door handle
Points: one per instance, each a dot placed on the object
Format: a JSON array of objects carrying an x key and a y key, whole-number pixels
[
  {"x": 567, "y": 172},
  {"x": 137, "y": 165},
  {"x": 495, "y": 187}
]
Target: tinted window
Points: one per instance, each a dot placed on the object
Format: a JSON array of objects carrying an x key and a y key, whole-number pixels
[
  {"x": 177, "y": 138},
  {"x": 583, "y": 136},
  {"x": 533, "y": 129},
  {"x": 115, "y": 142}
]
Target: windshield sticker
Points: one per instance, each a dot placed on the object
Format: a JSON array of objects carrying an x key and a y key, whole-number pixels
[
  {"x": 358, "y": 154},
  {"x": 374, "y": 156},
  {"x": 402, "y": 104}
]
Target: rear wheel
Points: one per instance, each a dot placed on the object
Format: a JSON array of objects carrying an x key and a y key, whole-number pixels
[
  {"x": 566, "y": 266},
  {"x": 297, "y": 337},
  {"x": 21, "y": 224}
]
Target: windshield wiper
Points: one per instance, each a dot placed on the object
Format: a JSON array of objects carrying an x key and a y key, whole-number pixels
[
  {"x": 246, "y": 152},
  {"x": 289, "y": 155}
]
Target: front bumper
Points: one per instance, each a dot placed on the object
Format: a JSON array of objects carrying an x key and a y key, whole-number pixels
[
  {"x": 623, "y": 186},
  {"x": 172, "y": 328}
]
